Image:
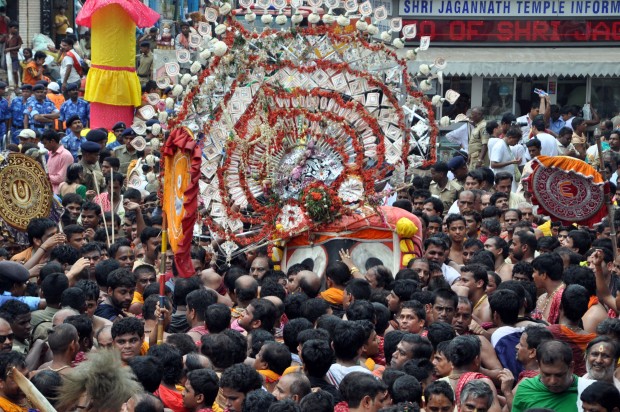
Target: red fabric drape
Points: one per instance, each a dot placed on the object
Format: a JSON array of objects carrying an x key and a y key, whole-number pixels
[{"x": 182, "y": 140}]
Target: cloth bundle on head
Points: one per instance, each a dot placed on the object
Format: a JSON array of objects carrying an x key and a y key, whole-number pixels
[{"x": 103, "y": 379}]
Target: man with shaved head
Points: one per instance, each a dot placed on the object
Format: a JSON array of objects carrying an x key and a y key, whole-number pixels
[
  {"x": 307, "y": 282},
  {"x": 7, "y": 335},
  {"x": 246, "y": 290},
  {"x": 211, "y": 279},
  {"x": 63, "y": 341}
]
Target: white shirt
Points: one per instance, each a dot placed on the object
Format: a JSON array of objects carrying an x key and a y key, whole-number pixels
[
  {"x": 520, "y": 151},
  {"x": 460, "y": 136},
  {"x": 548, "y": 144},
  {"x": 525, "y": 130},
  {"x": 492, "y": 142},
  {"x": 67, "y": 62},
  {"x": 501, "y": 153},
  {"x": 569, "y": 123},
  {"x": 449, "y": 273},
  {"x": 454, "y": 209}
]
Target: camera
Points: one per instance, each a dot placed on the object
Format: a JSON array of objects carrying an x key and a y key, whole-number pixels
[{"x": 519, "y": 124}]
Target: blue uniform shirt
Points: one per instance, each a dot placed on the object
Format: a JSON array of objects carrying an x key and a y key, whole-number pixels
[
  {"x": 5, "y": 114},
  {"x": 72, "y": 143},
  {"x": 81, "y": 108},
  {"x": 36, "y": 107}
]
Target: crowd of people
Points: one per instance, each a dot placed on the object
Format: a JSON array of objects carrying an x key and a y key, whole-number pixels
[{"x": 504, "y": 310}]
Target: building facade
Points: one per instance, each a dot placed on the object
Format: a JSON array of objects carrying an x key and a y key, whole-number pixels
[{"x": 499, "y": 51}]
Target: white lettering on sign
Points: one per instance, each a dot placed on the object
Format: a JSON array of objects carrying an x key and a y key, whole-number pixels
[{"x": 514, "y": 8}]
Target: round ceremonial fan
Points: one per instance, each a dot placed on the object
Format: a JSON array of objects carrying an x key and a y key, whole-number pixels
[
  {"x": 25, "y": 190},
  {"x": 567, "y": 189}
]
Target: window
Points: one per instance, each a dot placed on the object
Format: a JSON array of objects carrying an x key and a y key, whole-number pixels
[
  {"x": 605, "y": 96},
  {"x": 497, "y": 96},
  {"x": 571, "y": 91}
]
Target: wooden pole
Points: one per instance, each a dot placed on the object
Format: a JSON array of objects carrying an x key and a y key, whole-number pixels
[
  {"x": 608, "y": 202},
  {"x": 32, "y": 393},
  {"x": 112, "y": 213},
  {"x": 105, "y": 225},
  {"x": 162, "y": 279}
]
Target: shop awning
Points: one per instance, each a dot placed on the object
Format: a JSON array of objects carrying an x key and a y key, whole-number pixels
[{"x": 523, "y": 61}]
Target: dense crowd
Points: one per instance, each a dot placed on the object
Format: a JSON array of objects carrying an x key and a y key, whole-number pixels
[{"x": 503, "y": 310}]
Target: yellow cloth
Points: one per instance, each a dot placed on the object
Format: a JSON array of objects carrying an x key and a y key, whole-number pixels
[
  {"x": 137, "y": 297},
  {"x": 333, "y": 296},
  {"x": 144, "y": 349},
  {"x": 270, "y": 376},
  {"x": 113, "y": 44},
  {"x": 370, "y": 364},
  {"x": 61, "y": 18},
  {"x": 572, "y": 164},
  {"x": 545, "y": 228},
  {"x": 291, "y": 369},
  {"x": 8, "y": 406}
]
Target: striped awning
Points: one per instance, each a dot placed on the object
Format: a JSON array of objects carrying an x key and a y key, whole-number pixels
[{"x": 523, "y": 61}]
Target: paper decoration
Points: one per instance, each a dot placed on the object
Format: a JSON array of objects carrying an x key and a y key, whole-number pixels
[
  {"x": 211, "y": 14},
  {"x": 452, "y": 96},
  {"x": 194, "y": 40},
  {"x": 138, "y": 143},
  {"x": 147, "y": 112},
  {"x": 297, "y": 143},
  {"x": 182, "y": 57},
  {"x": 425, "y": 41},
  {"x": 380, "y": 13},
  {"x": 278, "y": 4},
  {"x": 204, "y": 29},
  {"x": 396, "y": 24},
  {"x": 172, "y": 68},
  {"x": 332, "y": 4},
  {"x": 351, "y": 6},
  {"x": 365, "y": 8},
  {"x": 153, "y": 98},
  {"x": 163, "y": 82},
  {"x": 409, "y": 31},
  {"x": 139, "y": 127}
]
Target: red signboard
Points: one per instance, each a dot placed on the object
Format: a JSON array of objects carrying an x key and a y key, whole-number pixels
[{"x": 518, "y": 31}]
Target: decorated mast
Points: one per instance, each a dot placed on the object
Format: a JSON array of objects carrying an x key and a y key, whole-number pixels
[{"x": 112, "y": 85}]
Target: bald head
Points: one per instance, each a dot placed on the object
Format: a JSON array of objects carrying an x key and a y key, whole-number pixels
[
  {"x": 60, "y": 338},
  {"x": 211, "y": 279},
  {"x": 309, "y": 283},
  {"x": 277, "y": 302},
  {"x": 63, "y": 314},
  {"x": 193, "y": 361},
  {"x": 292, "y": 386},
  {"x": 6, "y": 331},
  {"x": 246, "y": 289}
]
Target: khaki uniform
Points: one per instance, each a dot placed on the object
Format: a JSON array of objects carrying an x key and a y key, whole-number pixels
[
  {"x": 145, "y": 68},
  {"x": 448, "y": 194},
  {"x": 93, "y": 173},
  {"x": 478, "y": 138},
  {"x": 125, "y": 157}
]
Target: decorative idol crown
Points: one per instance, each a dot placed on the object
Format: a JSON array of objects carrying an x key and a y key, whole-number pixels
[{"x": 300, "y": 121}]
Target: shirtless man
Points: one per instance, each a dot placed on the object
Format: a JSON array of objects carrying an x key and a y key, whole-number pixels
[
  {"x": 475, "y": 278},
  {"x": 500, "y": 250},
  {"x": 456, "y": 230}
]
